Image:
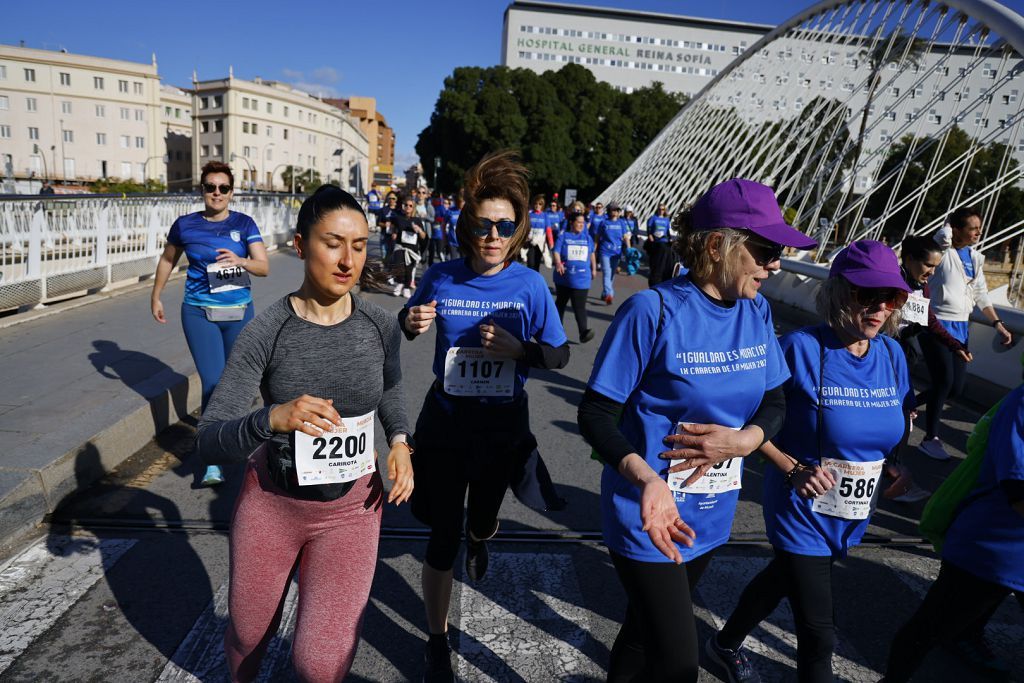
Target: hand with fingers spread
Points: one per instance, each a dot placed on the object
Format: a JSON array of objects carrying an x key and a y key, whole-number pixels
[
  {"x": 306, "y": 414},
  {"x": 400, "y": 472},
  {"x": 661, "y": 521},
  {"x": 811, "y": 482},
  {"x": 421, "y": 317},
  {"x": 702, "y": 446},
  {"x": 499, "y": 341}
]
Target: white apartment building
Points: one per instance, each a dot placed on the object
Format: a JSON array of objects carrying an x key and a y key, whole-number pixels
[
  {"x": 631, "y": 49},
  {"x": 261, "y": 127},
  {"x": 176, "y": 126},
  {"x": 76, "y": 118}
]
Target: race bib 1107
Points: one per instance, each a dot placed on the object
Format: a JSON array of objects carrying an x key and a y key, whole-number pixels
[
  {"x": 472, "y": 371},
  {"x": 343, "y": 454},
  {"x": 724, "y": 476},
  {"x": 853, "y": 495}
]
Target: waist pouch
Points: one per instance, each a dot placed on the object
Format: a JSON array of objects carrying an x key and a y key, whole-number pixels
[{"x": 281, "y": 467}]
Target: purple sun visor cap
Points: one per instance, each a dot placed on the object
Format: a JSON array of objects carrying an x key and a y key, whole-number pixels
[
  {"x": 867, "y": 263},
  {"x": 746, "y": 205}
]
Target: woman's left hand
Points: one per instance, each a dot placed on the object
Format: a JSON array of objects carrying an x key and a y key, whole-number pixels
[
  {"x": 499, "y": 341},
  {"x": 400, "y": 472},
  {"x": 226, "y": 257},
  {"x": 704, "y": 445}
]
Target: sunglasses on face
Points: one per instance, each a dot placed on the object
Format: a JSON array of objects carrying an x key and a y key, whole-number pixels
[
  {"x": 209, "y": 188},
  {"x": 506, "y": 228},
  {"x": 873, "y": 297},
  {"x": 764, "y": 253}
]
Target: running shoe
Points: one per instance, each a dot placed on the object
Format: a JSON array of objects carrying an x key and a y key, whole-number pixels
[
  {"x": 977, "y": 652},
  {"x": 406, "y": 292},
  {"x": 397, "y": 291},
  {"x": 738, "y": 668},
  {"x": 914, "y": 494},
  {"x": 934, "y": 449},
  {"x": 607, "y": 299},
  {"x": 437, "y": 659},
  {"x": 586, "y": 336},
  {"x": 213, "y": 476},
  {"x": 476, "y": 558}
]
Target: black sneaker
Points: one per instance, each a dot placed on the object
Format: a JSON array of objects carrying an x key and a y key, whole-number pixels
[
  {"x": 976, "y": 651},
  {"x": 738, "y": 668},
  {"x": 476, "y": 558},
  {"x": 437, "y": 658},
  {"x": 586, "y": 336}
]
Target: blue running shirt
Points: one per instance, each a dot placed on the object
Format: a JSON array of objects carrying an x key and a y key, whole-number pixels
[
  {"x": 575, "y": 251},
  {"x": 201, "y": 239},
  {"x": 516, "y": 298},
  {"x": 987, "y": 537},
  {"x": 453, "y": 220},
  {"x": 709, "y": 365},
  {"x": 659, "y": 228},
  {"x": 609, "y": 237},
  {"x": 863, "y": 421}
]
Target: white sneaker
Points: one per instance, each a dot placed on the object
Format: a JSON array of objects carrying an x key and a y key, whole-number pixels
[
  {"x": 397, "y": 290},
  {"x": 934, "y": 449},
  {"x": 406, "y": 292},
  {"x": 914, "y": 494}
]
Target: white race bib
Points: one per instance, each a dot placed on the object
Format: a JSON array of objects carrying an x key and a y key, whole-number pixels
[
  {"x": 724, "y": 476},
  {"x": 409, "y": 237},
  {"x": 576, "y": 252},
  {"x": 659, "y": 234},
  {"x": 343, "y": 454},
  {"x": 853, "y": 495},
  {"x": 226, "y": 278},
  {"x": 916, "y": 309},
  {"x": 471, "y": 371}
]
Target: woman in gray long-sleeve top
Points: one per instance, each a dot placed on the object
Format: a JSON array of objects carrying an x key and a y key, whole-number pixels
[{"x": 327, "y": 365}]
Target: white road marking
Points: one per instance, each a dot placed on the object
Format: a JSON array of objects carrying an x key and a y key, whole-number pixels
[
  {"x": 200, "y": 657},
  {"x": 41, "y": 583},
  {"x": 775, "y": 639},
  {"x": 525, "y": 621}
]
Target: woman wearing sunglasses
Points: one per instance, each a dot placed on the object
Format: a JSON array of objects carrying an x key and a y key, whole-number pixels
[
  {"x": 224, "y": 248},
  {"x": 473, "y": 431},
  {"x": 846, "y": 419},
  {"x": 688, "y": 371}
]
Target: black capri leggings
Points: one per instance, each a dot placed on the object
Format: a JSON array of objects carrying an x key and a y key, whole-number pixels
[
  {"x": 563, "y": 295},
  {"x": 658, "y": 638},
  {"x": 807, "y": 582},
  {"x": 947, "y": 373}
]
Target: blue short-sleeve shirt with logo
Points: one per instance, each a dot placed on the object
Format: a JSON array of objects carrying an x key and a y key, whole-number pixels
[
  {"x": 574, "y": 251},
  {"x": 201, "y": 239}
]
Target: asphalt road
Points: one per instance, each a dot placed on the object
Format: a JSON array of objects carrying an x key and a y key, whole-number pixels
[{"x": 135, "y": 588}]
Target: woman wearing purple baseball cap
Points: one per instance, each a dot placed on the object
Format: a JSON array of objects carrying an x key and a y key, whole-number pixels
[
  {"x": 692, "y": 363},
  {"x": 847, "y": 402}
]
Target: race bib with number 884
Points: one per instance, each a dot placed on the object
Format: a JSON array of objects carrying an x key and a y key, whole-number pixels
[{"x": 337, "y": 456}]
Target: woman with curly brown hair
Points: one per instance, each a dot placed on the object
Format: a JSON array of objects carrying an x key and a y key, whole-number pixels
[{"x": 474, "y": 428}]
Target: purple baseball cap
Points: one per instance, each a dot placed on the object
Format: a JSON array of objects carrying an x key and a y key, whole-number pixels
[
  {"x": 747, "y": 205},
  {"x": 868, "y": 263}
]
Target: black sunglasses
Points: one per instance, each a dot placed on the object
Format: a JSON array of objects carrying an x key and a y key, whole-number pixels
[
  {"x": 209, "y": 188},
  {"x": 764, "y": 253},
  {"x": 873, "y": 297},
  {"x": 506, "y": 228}
]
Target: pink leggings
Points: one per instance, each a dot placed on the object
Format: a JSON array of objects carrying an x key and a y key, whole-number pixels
[{"x": 334, "y": 545}]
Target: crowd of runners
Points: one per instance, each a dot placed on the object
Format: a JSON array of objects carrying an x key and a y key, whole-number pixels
[{"x": 689, "y": 380}]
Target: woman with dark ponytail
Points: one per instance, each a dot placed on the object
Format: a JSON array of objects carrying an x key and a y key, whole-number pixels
[{"x": 327, "y": 365}]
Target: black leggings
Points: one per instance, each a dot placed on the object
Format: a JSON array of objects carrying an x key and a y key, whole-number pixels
[
  {"x": 947, "y": 373},
  {"x": 578, "y": 297},
  {"x": 807, "y": 582},
  {"x": 658, "y": 638},
  {"x": 660, "y": 256},
  {"x": 534, "y": 256},
  {"x": 436, "y": 250},
  {"x": 955, "y": 602}
]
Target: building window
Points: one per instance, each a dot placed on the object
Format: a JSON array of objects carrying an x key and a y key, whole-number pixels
[
  {"x": 101, "y": 138},
  {"x": 204, "y": 102},
  {"x": 218, "y": 125},
  {"x": 217, "y": 151},
  {"x": 5, "y": 132},
  {"x": 140, "y": 142},
  {"x": 126, "y": 169},
  {"x": 122, "y": 86},
  {"x": 204, "y": 151},
  {"x": 126, "y": 142},
  {"x": 246, "y": 152},
  {"x": 69, "y": 135},
  {"x": 30, "y": 75},
  {"x": 140, "y": 115},
  {"x": 3, "y": 72},
  {"x": 167, "y": 111},
  {"x": 285, "y": 133},
  {"x": 65, "y": 107},
  {"x": 216, "y": 101},
  {"x": 245, "y": 126},
  {"x": 254, "y": 131},
  {"x": 31, "y": 104},
  {"x": 125, "y": 113},
  {"x": 177, "y": 112},
  {"x": 204, "y": 126},
  {"x": 286, "y": 110},
  {"x": 101, "y": 111},
  {"x": 245, "y": 103},
  {"x": 270, "y": 108},
  {"x": 255, "y": 105},
  {"x": 97, "y": 82},
  {"x": 5, "y": 103},
  {"x": 65, "y": 78},
  {"x": 137, "y": 87},
  {"x": 270, "y": 131},
  {"x": 33, "y": 133}
]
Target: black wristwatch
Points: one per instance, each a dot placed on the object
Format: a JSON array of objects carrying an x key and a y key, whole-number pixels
[{"x": 997, "y": 321}]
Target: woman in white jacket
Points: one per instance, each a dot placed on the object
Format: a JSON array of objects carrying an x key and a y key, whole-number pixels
[{"x": 957, "y": 286}]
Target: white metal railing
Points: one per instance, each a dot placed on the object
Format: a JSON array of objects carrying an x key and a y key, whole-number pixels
[{"x": 57, "y": 245}]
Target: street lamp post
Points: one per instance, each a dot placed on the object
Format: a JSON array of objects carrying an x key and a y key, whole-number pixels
[
  {"x": 248, "y": 163},
  {"x": 63, "y": 159},
  {"x": 165, "y": 158},
  {"x": 273, "y": 174},
  {"x": 42, "y": 155}
]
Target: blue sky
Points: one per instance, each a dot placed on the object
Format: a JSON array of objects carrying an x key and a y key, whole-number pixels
[{"x": 398, "y": 52}]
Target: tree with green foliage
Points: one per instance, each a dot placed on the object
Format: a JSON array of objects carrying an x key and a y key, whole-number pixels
[
  {"x": 572, "y": 130},
  {"x": 984, "y": 168},
  {"x": 306, "y": 179},
  {"x": 118, "y": 186}
]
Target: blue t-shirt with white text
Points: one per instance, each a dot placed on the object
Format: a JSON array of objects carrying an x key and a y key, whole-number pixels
[
  {"x": 862, "y": 421},
  {"x": 201, "y": 239},
  {"x": 575, "y": 251},
  {"x": 595, "y": 222},
  {"x": 659, "y": 228},
  {"x": 709, "y": 364},
  {"x": 609, "y": 237},
  {"x": 515, "y": 298}
]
